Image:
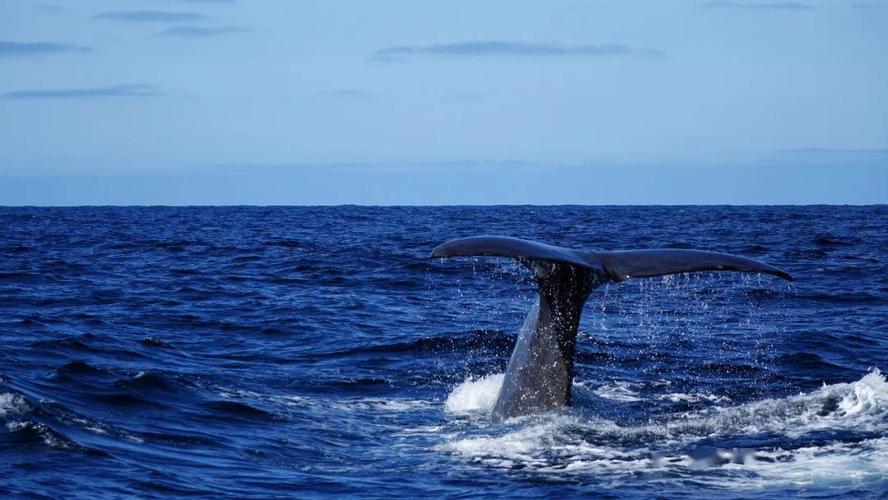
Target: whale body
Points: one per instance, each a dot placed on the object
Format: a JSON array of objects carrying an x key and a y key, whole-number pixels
[{"x": 540, "y": 370}]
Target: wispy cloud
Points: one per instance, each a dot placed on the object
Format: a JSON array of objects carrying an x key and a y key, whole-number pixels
[
  {"x": 49, "y": 8},
  {"x": 759, "y": 6},
  {"x": 150, "y": 16},
  {"x": 464, "y": 97},
  {"x": 127, "y": 90},
  {"x": 9, "y": 49},
  {"x": 355, "y": 94},
  {"x": 403, "y": 53},
  {"x": 199, "y": 31},
  {"x": 869, "y": 5}
]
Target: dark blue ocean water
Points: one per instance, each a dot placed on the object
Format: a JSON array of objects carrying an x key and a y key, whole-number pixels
[{"x": 254, "y": 352}]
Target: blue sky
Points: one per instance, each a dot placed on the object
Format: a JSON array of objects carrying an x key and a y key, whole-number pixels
[{"x": 481, "y": 102}]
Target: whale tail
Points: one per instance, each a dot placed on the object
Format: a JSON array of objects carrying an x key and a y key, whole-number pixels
[
  {"x": 540, "y": 370},
  {"x": 613, "y": 266}
]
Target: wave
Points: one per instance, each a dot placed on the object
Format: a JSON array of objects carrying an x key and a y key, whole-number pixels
[
  {"x": 11, "y": 403},
  {"x": 78, "y": 367},
  {"x": 831, "y": 434},
  {"x": 25, "y": 428},
  {"x": 147, "y": 381},
  {"x": 235, "y": 409},
  {"x": 473, "y": 341},
  {"x": 831, "y": 240},
  {"x": 26, "y": 432},
  {"x": 155, "y": 342}
]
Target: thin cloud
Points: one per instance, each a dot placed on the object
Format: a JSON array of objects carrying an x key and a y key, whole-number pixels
[
  {"x": 11, "y": 49},
  {"x": 354, "y": 94},
  {"x": 150, "y": 16},
  {"x": 759, "y": 6},
  {"x": 127, "y": 90},
  {"x": 474, "y": 49},
  {"x": 199, "y": 31},
  {"x": 49, "y": 7},
  {"x": 464, "y": 97}
]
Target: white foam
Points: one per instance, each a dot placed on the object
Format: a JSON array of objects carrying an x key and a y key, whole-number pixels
[
  {"x": 535, "y": 444},
  {"x": 694, "y": 397},
  {"x": 393, "y": 405},
  {"x": 12, "y": 404},
  {"x": 623, "y": 391},
  {"x": 868, "y": 394},
  {"x": 568, "y": 443},
  {"x": 858, "y": 406},
  {"x": 515, "y": 447},
  {"x": 46, "y": 434},
  {"x": 835, "y": 464},
  {"x": 619, "y": 390},
  {"x": 474, "y": 395}
]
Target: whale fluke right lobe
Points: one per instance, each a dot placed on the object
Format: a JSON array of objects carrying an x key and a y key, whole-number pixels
[{"x": 624, "y": 264}]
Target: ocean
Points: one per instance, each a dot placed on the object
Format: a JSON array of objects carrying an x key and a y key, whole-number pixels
[{"x": 259, "y": 352}]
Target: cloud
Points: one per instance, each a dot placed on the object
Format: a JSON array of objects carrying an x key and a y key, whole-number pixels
[
  {"x": 198, "y": 31},
  {"x": 150, "y": 16},
  {"x": 464, "y": 97},
  {"x": 10, "y": 49},
  {"x": 49, "y": 8},
  {"x": 127, "y": 90},
  {"x": 354, "y": 94},
  {"x": 505, "y": 49},
  {"x": 759, "y": 6}
]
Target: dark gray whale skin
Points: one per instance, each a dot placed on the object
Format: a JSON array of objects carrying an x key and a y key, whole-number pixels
[{"x": 540, "y": 371}]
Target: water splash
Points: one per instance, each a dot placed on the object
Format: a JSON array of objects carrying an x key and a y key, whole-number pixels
[
  {"x": 474, "y": 395},
  {"x": 839, "y": 430}
]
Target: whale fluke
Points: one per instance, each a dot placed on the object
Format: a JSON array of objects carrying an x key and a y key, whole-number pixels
[
  {"x": 618, "y": 265},
  {"x": 540, "y": 370}
]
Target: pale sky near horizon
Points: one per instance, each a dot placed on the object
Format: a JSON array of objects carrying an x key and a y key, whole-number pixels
[{"x": 388, "y": 102}]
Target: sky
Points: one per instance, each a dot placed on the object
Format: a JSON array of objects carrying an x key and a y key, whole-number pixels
[{"x": 299, "y": 102}]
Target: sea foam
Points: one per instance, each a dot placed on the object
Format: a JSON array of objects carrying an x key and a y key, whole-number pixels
[{"x": 570, "y": 443}]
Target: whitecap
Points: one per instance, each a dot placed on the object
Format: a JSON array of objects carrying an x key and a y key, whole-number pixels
[{"x": 12, "y": 404}]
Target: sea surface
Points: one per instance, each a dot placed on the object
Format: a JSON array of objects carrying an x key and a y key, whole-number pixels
[{"x": 261, "y": 352}]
